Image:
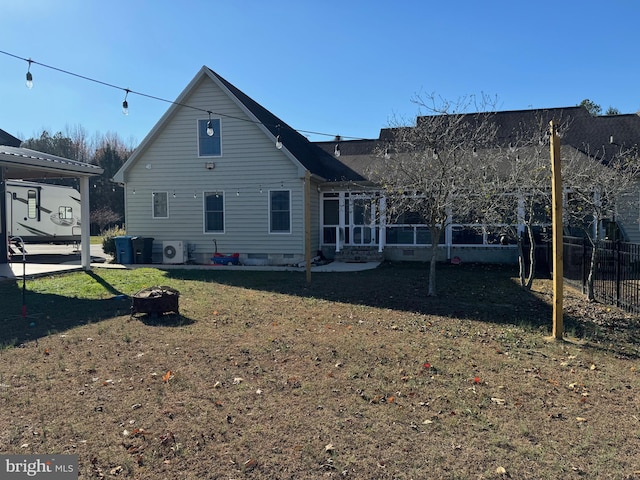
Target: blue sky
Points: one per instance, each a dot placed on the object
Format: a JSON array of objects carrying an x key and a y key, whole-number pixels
[{"x": 342, "y": 67}]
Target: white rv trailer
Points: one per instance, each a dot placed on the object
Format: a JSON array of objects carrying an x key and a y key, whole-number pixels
[{"x": 42, "y": 213}]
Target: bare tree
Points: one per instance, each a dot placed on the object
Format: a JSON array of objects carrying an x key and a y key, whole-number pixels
[
  {"x": 515, "y": 201},
  {"x": 433, "y": 168},
  {"x": 598, "y": 186},
  {"x": 104, "y": 216}
]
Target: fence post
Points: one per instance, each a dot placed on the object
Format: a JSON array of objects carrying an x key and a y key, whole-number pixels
[
  {"x": 618, "y": 272},
  {"x": 584, "y": 266}
]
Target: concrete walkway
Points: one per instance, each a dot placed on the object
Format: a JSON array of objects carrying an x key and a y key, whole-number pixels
[{"x": 69, "y": 261}]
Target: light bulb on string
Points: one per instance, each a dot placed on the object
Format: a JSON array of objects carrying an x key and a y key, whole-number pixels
[
  {"x": 125, "y": 104},
  {"x": 29, "y": 82},
  {"x": 278, "y": 143},
  {"x": 209, "y": 126}
]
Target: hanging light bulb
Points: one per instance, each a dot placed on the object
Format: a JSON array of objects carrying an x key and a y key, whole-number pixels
[
  {"x": 278, "y": 143},
  {"x": 336, "y": 151},
  {"x": 209, "y": 126},
  {"x": 29, "y": 82},
  {"x": 125, "y": 104}
]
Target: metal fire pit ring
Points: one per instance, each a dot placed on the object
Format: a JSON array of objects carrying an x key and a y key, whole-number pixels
[{"x": 155, "y": 300}]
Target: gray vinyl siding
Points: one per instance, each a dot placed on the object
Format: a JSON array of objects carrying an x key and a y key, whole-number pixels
[
  {"x": 315, "y": 219},
  {"x": 249, "y": 167},
  {"x": 628, "y": 215}
]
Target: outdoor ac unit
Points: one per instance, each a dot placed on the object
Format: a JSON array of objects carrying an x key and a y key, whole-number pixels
[{"x": 174, "y": 251}]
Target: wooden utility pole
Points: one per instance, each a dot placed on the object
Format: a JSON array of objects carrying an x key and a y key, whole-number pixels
[{"x": 557, "y": 227}]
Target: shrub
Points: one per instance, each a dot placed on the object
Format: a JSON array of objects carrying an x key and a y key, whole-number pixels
[{"x": 108, "y": 239}]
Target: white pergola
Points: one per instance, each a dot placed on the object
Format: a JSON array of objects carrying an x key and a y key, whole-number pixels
[{"x": 23, "y": 163}]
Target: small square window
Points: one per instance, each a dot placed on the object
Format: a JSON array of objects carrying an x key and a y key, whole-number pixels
[{"x": 209, "y": 145}]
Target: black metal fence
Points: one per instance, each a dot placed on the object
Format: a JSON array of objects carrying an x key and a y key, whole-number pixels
[{"x": 616, "y": 274}]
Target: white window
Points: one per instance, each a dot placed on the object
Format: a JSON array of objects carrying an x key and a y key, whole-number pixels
[
  {"x": 280, "y": 211},
  {"x": 214, "y": 212},
  {"x": 160, "y": 204}
]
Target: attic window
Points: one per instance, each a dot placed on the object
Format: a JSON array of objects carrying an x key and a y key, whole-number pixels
[{"x": 209, "y": 146}]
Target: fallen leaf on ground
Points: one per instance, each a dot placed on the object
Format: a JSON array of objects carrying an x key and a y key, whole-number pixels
[
  {"x": 250, "y": 464},
  {"x": 167, "y": 376}
]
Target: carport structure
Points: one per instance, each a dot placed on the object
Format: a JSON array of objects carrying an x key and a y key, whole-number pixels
[{"x": 23, "y": 163}]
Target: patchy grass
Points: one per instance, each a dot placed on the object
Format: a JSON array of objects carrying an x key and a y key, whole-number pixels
[{"x": 357, "y": 375}]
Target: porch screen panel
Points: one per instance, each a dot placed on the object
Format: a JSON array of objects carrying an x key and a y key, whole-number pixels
[{"x": 330, "y": 220}]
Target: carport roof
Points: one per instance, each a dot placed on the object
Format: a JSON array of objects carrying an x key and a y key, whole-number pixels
[{"x": 24, "y": 163}]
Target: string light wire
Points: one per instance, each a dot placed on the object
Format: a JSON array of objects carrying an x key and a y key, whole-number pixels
[{"x": 160, "y": 99}]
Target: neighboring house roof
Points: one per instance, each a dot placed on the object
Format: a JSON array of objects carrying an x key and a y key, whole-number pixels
[
  {"x": 26, "y": 163},
  {"x": 600, "y": 137},
  {"x": 317, "y": 161},
  {"x": 8, "y": 139}
]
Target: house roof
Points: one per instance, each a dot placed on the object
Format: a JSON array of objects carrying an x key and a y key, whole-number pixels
[
  {"x": 8, "y": 139},
  {"x": 25, "y": 163},
  {"x": 314, "y": 159}
]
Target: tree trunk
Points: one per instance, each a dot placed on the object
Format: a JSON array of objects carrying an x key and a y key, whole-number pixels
[
  {"x": 431, "y": 292},
  {"x": 532, "y": 259},
  {"x": 591, "y": 296},
  {"x": 435, "y": 240},
  {"x": 522, "y": 267}
]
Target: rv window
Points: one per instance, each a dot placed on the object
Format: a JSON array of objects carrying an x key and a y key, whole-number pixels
[
  {"x": 65, "y": 213},
  {"x": 32, "y": 199}
]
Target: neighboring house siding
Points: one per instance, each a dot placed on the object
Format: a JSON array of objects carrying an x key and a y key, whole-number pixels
[
  {"x": 627, "y": 216},
  {"x": 249, "y": 167}
]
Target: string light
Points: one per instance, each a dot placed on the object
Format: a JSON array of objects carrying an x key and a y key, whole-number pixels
[
  {"x": 29, "y": 82},
  {"x": 210, "y": 131},
  {"x": 278, "y": 143},
  {"x": 125, "y": 104},
  {"x": 153, "y": 97},
  {"x": 336, "y": 150}
]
